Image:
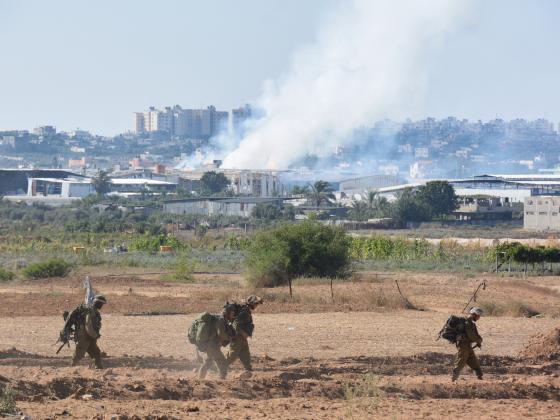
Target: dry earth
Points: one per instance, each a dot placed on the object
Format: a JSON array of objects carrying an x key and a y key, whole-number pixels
[{"x": 359, "y": 357}]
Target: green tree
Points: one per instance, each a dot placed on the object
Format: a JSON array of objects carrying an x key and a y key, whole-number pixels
[
  {"x": 293, "y": 250},
  {"x": 360, "y": 211},
  {"x": 213, "y": 182},
  {"x": 320, "y": 192},
  {"x": 439, "y": 196},
  {"x": 297, "y": 190},
  {"x": 409, "y": 208},
  {"x": 101, "y": 183}
]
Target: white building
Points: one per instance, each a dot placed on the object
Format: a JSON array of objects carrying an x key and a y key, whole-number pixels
[{"x": 542, "y": 213}]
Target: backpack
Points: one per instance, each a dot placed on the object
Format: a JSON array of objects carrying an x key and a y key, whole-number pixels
[
  {"x": 453, "y": 327},
  {"x": 202, "y": 330}
]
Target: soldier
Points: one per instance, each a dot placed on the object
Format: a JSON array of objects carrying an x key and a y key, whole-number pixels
[
  {"x": 220, "y": 335},
  {"x": 243, "y": 325},
  {"x": 88, "y": 332},
  {"x": 465, "y": 350}
]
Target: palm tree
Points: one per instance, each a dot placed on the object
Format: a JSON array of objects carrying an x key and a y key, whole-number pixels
[
  {"x": 371, "y": 199},
  {"x": 360, "y": 211},
  {"x": 320, "y": 192},
  {"x": 101, "y": 183}
]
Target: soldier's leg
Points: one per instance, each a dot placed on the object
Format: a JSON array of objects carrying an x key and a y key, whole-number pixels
[
  {"x": 95, "y": 353},
  {"x": 460, "y": 361},
  {"x": 233, "y": 353},
  {"x": 82, "y": 345},
  {"x": 207, "y": 361},
  {"x": 474, "y": 364},
  {"x": 245, "y": 358},
  {"x": 217, "y": 356}
]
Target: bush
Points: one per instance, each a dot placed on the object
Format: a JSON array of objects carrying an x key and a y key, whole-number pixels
[
  {"x": 6, "y": 275},
  {"x": 298, "y": 250},
  {"x": 8, "y": 401},
  {"x": 182, "y": 270},
  {"x": 51, "y": 268}
]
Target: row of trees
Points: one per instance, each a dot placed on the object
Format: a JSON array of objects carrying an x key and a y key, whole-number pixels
[{"x": 436, "y": 199}]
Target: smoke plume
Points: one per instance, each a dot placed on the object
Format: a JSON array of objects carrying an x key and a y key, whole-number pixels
[{"x": 367, "y": 63}]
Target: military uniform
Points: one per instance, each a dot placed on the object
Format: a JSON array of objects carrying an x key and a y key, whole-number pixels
[
  {"x": 465, "y": 352},
  {"x": 212, "y": 352},
  {"x": 239, "y": 347},
  {"x": 86, "y": 336}
]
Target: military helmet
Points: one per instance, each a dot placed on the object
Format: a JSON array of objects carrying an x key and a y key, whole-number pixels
[
  {"x": 253, "y": 300},
  {"x": 230, "y": 307},
  {"x": 100, "y": 299},
  {"x": 476, "y": 311}
]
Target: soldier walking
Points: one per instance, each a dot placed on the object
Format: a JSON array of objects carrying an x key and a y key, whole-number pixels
[
  {"x": 219, "y": 335},
  {"x": 85, "y": 324},
  {"x": 243, "y": 326},
  {"x": 465, "y": 350}
]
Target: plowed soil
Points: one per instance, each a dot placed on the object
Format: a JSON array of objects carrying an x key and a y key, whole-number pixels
[{"x": 371, "y": 359}]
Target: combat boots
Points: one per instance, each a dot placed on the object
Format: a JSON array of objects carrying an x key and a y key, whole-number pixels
[{"x": 478, "y": 374}]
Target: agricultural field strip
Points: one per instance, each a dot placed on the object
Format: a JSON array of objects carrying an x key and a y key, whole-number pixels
[{"x": 320, "y": 335}]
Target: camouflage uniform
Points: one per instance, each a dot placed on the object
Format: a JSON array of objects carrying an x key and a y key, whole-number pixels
[
  {"x": 465, "y": 352},
  {"x": 86, "y": 336},
  {"x": 239, "y": 347},
  {"x": 213, "y": 353}
]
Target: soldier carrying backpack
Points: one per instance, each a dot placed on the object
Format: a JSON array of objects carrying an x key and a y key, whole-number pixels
[
  {"x": 83, "y": 325},
  {"x": 462, "y": 332},
  {"x": 208, "y": 333}
]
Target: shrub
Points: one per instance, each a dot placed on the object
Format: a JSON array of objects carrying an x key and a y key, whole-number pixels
[
  {"x": 6, "y": 275},
  {"x": 8, "y": 401},
  {"x": 182, "y": 270},
  {"x": 50, "y": 268},
  {"x": 307, "y": 249},
  {"x": 151, "y": 243}
]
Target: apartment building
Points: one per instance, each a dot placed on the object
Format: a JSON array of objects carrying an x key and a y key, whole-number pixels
[{"x": 193, "y": 123}]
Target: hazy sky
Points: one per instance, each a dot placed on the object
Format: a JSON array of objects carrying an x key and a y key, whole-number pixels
[{"x": 90, "y": 64}]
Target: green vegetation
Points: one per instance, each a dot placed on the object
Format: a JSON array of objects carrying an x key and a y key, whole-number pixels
[
  {"x": 212, "y": 183},
  {"x": 523, "y": 255},
  {"x": 8, "y": 401},
  {"x": 101, "y": 183},
  {"x": 151, "y": 243},
  {"x": 182, "y": 269},
  {"x": 436, "y": 199},
  {"x": 302, "y": 250},
  {"x": 319, "y": 193},
  {"x": 6, "y": 275},
  {"x": 50, "y": 268}
]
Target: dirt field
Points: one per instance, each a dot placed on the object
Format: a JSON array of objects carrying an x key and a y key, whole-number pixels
[{"x": 361, "y": 356}]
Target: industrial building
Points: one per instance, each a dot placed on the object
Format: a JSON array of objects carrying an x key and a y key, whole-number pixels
[
  {"x": 243, "y": 182},
  {"x": 59, "y": 191},
  {"x": 542, "y": 213},
  {"x": 509, "y": 188},
  {"x": 16, "y": 181},
  {"x": 213, "y": 206},
  {"x": 359, "y": 185}
]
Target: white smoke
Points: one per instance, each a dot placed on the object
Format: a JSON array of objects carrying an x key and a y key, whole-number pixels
[{"x": 366, "y": 64}]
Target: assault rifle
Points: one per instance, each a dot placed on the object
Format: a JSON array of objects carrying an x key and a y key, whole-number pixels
[{"x": 67, "y": 332}]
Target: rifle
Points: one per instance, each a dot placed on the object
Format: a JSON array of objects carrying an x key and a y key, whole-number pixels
[{"x": 67, "y": 332}]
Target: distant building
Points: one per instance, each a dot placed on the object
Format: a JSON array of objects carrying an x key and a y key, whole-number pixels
[
  {"x": 362, "y": 184},
  {"x": 238, "y": 206},
  {"x": 45, "y": 130},
  {"x": 193, "y": 123},
  {"x": 542, "y": 213}
]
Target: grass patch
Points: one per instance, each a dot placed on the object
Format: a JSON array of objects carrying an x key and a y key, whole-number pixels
[
  {"x": 6, "y": 275},
  {"x": 50, "y": 268},
  {"x": 363, "y": 394},
  {"x": 182, "y": 270},
  {"x": 511, "y": 308},
  {"x": 8, "y": 401}
]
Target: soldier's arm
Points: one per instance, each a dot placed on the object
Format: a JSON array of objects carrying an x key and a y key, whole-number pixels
[
  {"x": 472, "y": 334},
  {"x": 221, "y": 330},
  {"x": 90, "y": 330}
]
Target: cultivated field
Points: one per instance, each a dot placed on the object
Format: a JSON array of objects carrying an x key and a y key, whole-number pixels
[{"x": 361, "y": 355}]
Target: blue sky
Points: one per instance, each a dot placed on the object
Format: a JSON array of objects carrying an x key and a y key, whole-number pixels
[{"x": 90, "y": 64}]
